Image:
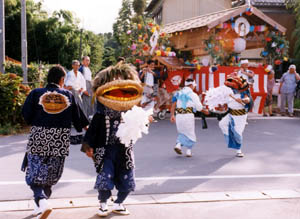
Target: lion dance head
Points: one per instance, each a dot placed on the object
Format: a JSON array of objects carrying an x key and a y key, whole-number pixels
[{"x": 118, "y": 87}]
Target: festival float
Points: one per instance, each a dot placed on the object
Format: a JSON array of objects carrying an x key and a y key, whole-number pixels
[{"x": 215, "y": 43}]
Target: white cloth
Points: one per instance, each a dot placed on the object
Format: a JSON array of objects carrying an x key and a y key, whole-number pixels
[
  {"x": 87, "y": 74},
  {"x": 239, "y": 124},
  {"x": 233, "y": 104},
  {"x": 149, "y": 79},
  {"x": 194, "y": 102},
  {"x": 76, "y": 82},
  {"x": 236, "y": 124},
  {"x": 185, "y": 124}
]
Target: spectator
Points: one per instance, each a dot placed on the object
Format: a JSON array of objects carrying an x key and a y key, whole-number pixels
[
  {"x": 148, "y": 76},
  {"x": 270, "y": 85},
  {"x": 287, "y": 88},
  {"x": 246, "y": 73},
  {"x": 87, "y": 99},
  {"x": 75, "y": 82}
]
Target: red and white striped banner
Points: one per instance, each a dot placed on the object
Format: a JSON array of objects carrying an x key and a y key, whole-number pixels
[{"x": 206, "y": 80}]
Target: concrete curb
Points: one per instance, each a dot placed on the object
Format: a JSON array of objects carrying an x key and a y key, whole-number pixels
[{"x": 173, "y": 198}]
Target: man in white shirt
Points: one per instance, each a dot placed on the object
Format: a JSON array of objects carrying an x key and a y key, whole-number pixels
[
  {"x": 148, "y": 77},
  {"x": 75, "y": 82},
  {"x": 246, "y": 73},
  {"x": 87, "y": 74}
]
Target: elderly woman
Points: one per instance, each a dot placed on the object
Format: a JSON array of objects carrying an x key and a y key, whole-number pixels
[{"x": 287, "y": 88}]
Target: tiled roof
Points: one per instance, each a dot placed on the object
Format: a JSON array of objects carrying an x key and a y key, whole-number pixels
[
  {"x": 258, "y": 3},
  {"x": 151, "y": 5},
  {"x": 213, "y": 19}
]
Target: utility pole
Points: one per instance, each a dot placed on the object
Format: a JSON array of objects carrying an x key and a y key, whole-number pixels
[
  {"x": 2, "y": 36},
  {"x": 80, "y": 45},
  {"x": 24, "y": 41}
]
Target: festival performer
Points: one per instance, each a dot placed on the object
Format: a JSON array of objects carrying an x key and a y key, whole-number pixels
[
  {"x": 113, "y": 160},
  {"x": 185, "y": 103},
  {"x": 50, "y": 111},
  {"x": 239, "y": 103}
]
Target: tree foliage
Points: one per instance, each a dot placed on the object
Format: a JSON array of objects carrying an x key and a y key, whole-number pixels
[{"x": 52, "y": 38}]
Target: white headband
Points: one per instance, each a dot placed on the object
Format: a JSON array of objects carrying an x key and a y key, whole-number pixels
[
  {"x": 292, "y": 66},
  {"x": 245, "y": 61},
  {"x": 188, "y": 83}
]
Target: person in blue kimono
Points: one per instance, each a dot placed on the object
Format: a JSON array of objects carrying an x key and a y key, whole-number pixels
[{"x": 50, "y": 111}]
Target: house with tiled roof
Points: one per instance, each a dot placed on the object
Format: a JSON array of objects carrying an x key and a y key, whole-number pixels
[{"x": 187, "y": 20}]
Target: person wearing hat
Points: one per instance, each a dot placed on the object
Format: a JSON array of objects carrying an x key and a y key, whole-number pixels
[
  {"x": 270, "y": 85},
  {"x": 185, "y": 103},
  {"x": 287, "y": 88},
  {"x": 245, "y": 72}
]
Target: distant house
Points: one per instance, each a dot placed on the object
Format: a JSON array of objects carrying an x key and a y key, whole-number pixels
[
  {"x": 276, "y": 9},
  {"x": 169, "y": 11},
  {"x": 185, "y": 16}
]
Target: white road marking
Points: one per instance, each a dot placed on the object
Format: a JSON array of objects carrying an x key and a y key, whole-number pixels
[{"x": 92, "y": 180}]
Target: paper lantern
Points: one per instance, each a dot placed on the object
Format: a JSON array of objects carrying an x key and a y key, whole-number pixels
[
  {"x": 285, "y": 59},
  {"x": 158, "y": 52},
  {"x": 153, "y": 29},
  {"x": 168, "y": 49},
  {"x": 163, "y": 53},
  {"x": 139, "y": 26},
  {"x": 205, "y": 61},
  {"x": 129, "y": 32},
  {"x": 198, "y": 67},
  {"x": 239, "y": 45}
]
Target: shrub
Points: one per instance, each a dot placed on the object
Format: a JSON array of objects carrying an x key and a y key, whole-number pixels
[
  {"x": 12, "y": 96},
  {"x": 37, "y": 73}
]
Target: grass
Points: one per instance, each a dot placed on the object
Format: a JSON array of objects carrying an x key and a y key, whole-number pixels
[
  {"x": 12, "y": 129},
  {"x": 297, "y": 104}
]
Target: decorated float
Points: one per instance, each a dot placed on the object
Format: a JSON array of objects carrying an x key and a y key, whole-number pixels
[{"x": 214, "y": 43}]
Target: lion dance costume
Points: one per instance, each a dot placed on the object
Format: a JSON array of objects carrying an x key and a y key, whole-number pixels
[
  {"x": 239, "y": 103},
  {"x": 117, "y": 89}
]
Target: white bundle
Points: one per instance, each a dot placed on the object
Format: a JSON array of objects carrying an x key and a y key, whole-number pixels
[
  {"x": 216, "y": 96},
  {"x": 135, "y": 122}
]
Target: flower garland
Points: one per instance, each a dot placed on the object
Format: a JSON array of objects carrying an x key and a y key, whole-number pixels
[{"x": 276, "y": 47}]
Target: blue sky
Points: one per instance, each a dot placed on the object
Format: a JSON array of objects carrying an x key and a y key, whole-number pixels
[{"x": 96, "y": 15}]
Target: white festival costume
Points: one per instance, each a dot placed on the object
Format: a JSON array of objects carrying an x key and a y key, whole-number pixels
[
  {"x": 185, "y": 123},
  {"x": 233, "y": 126}
]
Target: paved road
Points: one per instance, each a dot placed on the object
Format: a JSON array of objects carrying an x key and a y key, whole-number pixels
[
  {"x": 272, "y": 209},
  {"x": 272, "y": 149}
]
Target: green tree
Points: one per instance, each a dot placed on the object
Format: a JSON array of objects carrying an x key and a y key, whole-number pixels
[{"x": 52, "y": 38}]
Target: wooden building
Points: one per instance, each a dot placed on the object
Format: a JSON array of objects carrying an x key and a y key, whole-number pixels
[
  {"x": 169, "y": 11},
  {"x": 189, "y": 34}
]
